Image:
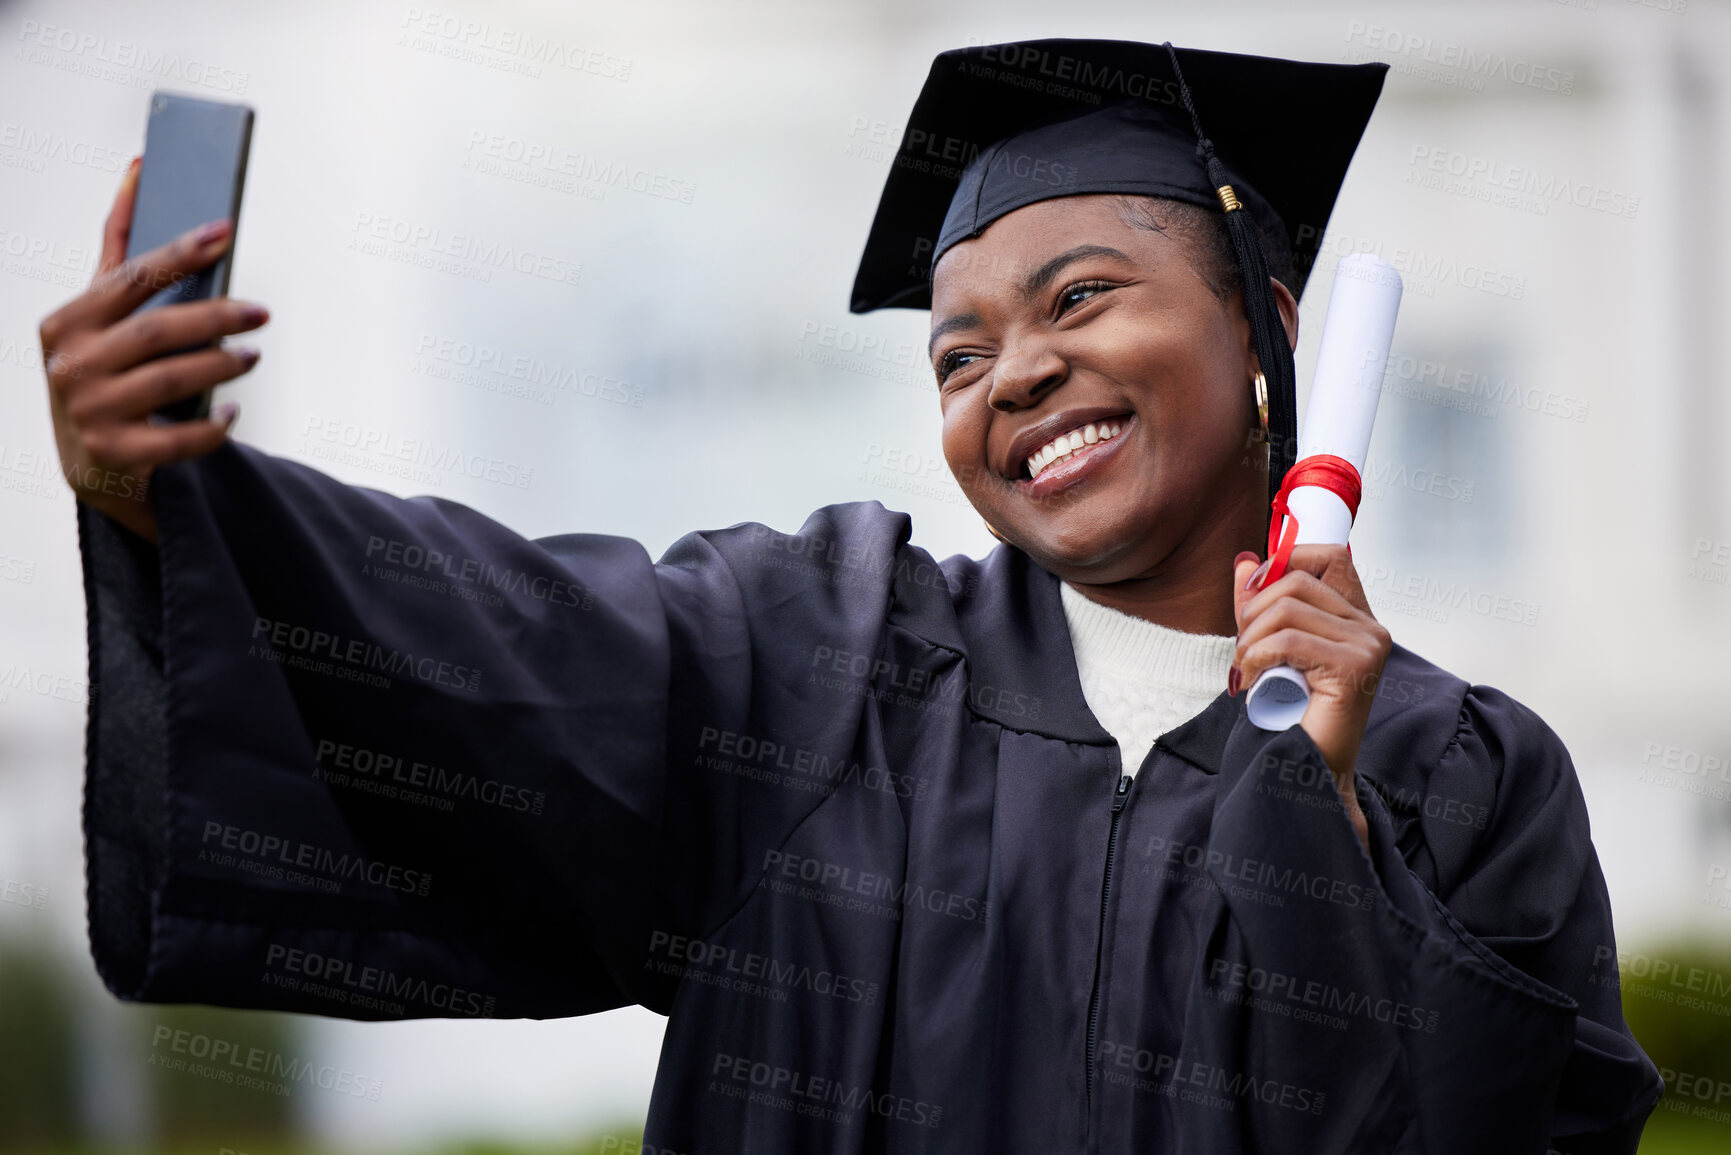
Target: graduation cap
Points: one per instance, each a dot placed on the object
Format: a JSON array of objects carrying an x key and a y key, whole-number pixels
[{"x": 999, "y": 126}]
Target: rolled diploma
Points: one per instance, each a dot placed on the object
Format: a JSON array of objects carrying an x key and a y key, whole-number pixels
[{"x": 1338, "y": 417}]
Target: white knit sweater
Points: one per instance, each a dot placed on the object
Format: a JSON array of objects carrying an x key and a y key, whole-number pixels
[{"x": 1142, "y": 679}]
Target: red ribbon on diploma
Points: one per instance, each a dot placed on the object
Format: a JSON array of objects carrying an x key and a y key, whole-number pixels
[{"x": 1324, "y": 470}]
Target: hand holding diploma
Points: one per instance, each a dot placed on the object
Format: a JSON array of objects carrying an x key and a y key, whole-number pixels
[
  {"x": 1308, "y": 645},
  {"x": 1315, "y": 619},
  {"x": 1318, "y": 497}
]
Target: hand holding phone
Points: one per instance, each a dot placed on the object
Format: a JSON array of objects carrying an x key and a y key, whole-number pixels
[{"x": 111, "y": 364}]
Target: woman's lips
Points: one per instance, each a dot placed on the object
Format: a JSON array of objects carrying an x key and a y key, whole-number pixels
[{"x": 1081, "y": 464}]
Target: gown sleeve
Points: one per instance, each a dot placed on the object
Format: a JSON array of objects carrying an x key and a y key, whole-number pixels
[
  {"x": 370, "y": 757},
  {"x": 1531, "y": 893},
  {"x": 1465, "y": 953}
]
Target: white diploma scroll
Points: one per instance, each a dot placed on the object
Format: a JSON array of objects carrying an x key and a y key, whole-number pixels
[{"x": 1338, "y": 417}]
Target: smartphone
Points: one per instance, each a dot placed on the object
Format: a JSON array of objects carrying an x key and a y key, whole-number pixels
[{"x": 193, "y": 170}]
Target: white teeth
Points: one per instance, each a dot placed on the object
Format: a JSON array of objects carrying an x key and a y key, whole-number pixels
[{"x": 1065, "y": 444}]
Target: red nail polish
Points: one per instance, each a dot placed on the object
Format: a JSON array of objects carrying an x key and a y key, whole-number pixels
[
  {"x": 1232, "y": 682},
  {"x": 1255, "y": 581},
  {"x": 211, "y": 232}
]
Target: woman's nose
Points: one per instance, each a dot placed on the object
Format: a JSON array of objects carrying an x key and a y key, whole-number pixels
[{"x": 1024, "y": 374}]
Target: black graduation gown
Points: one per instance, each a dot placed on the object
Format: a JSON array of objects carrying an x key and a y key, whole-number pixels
[{"x": 842, "y": 813}]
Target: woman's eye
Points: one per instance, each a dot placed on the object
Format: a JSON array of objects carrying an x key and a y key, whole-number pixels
[
  {"x": 952, "y": 361},
  {"x": 1079, "y": 292}
]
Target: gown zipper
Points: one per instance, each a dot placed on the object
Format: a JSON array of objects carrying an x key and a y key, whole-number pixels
[{"x": 1119, "y": 797}]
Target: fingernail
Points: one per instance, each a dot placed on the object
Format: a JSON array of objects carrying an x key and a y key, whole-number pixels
[
  {"x": 1244, "y": 555},
  {"x": 253, "y": 314},
  {"x": 227, "y": 413},
  {"x": 247, "y": 353},
  {"x": 135, "y": 161},
  {"x": 1255, "y": 580},
  {"x": 210, "y": 232},
  {"x": 1232, "y": 682}
]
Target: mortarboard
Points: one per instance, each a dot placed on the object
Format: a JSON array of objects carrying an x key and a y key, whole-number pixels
[{"x": 1000, "y": 126}]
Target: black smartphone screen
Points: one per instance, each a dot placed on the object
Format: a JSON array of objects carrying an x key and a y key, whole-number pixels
[{"x": 193, "y": 170}]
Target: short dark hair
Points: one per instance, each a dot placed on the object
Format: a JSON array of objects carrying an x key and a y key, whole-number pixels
[{"x": 1204, "y": 231}]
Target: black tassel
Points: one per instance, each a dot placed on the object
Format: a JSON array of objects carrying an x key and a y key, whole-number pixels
[{"x": 1267, "y": 331}]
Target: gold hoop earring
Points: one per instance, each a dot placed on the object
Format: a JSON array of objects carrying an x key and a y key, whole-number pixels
[
  {"x": 991, "y": 529},
  {"x": 1259, "y": 387}
]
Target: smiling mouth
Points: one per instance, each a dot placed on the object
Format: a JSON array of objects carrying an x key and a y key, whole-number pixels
[{"x": 1065, "y": 445}]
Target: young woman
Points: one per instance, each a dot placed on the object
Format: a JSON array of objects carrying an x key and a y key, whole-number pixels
[{"x": 916, "y": 856}]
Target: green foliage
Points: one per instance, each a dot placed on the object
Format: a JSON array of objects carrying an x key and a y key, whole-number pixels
[
  {"x": 1677, "y": 1001},
  {"x": 38, "y": 1083},
  {"x": 200, "y": 1079}
]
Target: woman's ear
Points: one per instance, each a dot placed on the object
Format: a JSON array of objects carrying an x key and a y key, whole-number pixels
[{"x": 1288, "y": 306}]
